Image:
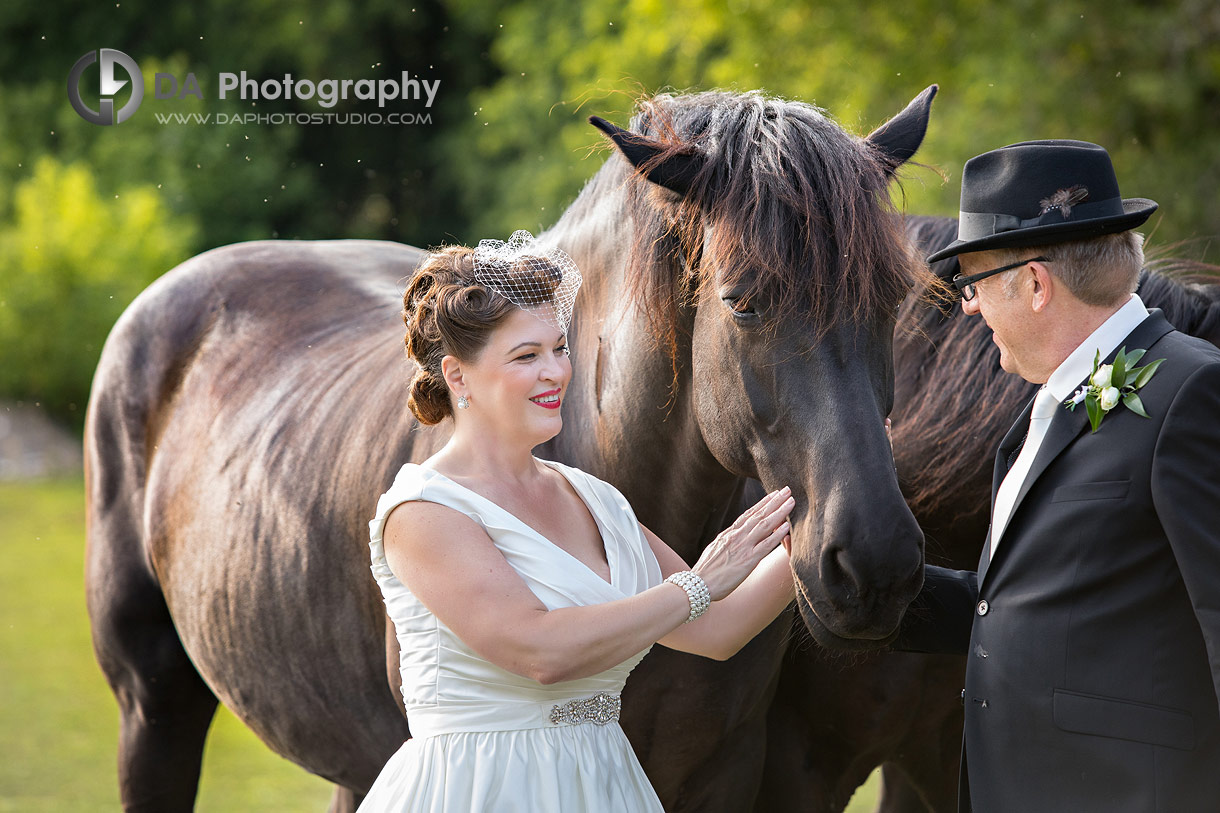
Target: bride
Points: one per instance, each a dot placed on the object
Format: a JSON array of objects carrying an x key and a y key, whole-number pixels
[{"x": 524, "y": 591}]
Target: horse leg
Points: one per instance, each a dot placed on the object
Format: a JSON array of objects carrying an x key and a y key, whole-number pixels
[
  {"x": 898, "y": 795},
  {"x": 816, "y": 757},
  {"x": 920, "y": 785},
  {"x": 165, "y": 708},
  {"x": 344, "y": 800},
  {"x": 834, "y": 718},
  {"x": 922, "y": 772}
]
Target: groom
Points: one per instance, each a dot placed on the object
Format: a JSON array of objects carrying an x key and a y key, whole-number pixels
[{"x": 1092, "y": 627}]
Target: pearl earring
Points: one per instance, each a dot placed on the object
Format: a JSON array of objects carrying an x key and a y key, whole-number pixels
[{"x": 463, "y": 402}]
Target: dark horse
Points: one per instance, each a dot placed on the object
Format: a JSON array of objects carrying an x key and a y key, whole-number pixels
[
  {"x": 736, "y": 322},
  {"x": 953, "y": 403}
]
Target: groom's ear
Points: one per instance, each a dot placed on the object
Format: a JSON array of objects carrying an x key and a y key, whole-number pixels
[{"x": 1045, "y": 286}]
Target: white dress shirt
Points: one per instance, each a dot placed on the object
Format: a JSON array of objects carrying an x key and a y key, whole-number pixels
[{"x": 1063, "y": 383}]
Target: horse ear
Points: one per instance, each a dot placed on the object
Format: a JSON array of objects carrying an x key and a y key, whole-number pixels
[
  {"x": 675, "y": 172},
  {"x": 901, "y": 136}
]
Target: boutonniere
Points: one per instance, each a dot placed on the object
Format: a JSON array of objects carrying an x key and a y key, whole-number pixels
[{"x": 1111, "y": 383}]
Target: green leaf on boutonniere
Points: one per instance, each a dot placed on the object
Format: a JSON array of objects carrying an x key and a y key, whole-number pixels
[
  {"x": 1133, "y": 403},
  {"x": 1093, "y": 406},
  {"x": 1133, "y": 358},
  {"x": 1146, "y": 373},
  {"x": 1118, "y": 376}
]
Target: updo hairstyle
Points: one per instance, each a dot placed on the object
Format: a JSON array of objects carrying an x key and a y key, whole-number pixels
[{"x": 449, "y": 313}]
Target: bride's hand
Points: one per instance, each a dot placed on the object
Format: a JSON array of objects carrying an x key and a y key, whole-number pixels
[{"x": 734, "y": 553}]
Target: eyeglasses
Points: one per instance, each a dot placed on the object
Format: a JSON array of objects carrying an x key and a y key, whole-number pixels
[{"x": 967, "y": 284}]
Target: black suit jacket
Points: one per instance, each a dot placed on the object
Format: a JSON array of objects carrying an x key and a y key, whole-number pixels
[{"x": 1093, "y": 636}]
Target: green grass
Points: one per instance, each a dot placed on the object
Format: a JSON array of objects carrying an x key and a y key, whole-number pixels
[{"x": 58, "y": 720}]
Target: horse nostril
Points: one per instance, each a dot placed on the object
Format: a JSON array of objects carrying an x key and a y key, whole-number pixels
[
  {"x": 852, "y": 577},
  {"x": 841, "y": 573}
]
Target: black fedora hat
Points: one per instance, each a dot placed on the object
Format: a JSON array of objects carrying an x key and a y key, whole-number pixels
[{"x": 1040, "y": 192}]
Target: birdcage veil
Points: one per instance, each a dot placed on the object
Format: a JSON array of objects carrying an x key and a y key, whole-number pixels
[{"x": 541, "y": 281}]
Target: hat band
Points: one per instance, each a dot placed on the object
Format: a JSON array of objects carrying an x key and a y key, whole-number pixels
[{"x": 977, "y": 225}]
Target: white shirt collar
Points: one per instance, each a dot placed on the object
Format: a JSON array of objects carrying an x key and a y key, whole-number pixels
[{"x": 1079, "y": 363}]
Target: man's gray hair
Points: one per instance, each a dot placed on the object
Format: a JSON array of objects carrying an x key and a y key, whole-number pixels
[{"x": 1098, "y": 271}]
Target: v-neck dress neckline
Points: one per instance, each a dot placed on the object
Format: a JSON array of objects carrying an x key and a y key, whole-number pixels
[{"x": 603, "y": 531}]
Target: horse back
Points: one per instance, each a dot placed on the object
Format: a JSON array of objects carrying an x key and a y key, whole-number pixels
[{"x": 247, "y": 410}]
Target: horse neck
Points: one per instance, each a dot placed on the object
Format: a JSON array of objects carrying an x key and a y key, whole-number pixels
[
  {"x": 625, "y": 420},
  {"x": 944, "y": 445},
  {"x": 1189, "y": 294}
]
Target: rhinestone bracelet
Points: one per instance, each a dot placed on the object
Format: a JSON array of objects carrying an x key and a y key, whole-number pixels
[{"x": 696, "y": 592}]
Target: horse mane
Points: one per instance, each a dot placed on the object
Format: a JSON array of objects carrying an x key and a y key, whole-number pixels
[
  {"x": 953, "y": 401},
  {"x": 1188, "y": 291},
  {"x": 802, "y": 223}
]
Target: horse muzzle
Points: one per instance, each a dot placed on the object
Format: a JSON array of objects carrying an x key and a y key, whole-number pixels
[{"x": 852, "y": 590}]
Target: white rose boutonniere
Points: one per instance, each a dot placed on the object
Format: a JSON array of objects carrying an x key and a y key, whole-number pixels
[
  {"x": 1103, "y": 375},
  {"x": 1111, "y": 383}
]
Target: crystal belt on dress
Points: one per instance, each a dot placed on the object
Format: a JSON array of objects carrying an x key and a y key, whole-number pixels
[
  {"x": 511, "y": 715},
  {"x": 601, "y": 708}
]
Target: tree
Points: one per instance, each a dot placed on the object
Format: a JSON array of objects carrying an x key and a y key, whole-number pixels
[
  {"x": 248, "y": 180},
  {"x": 1142, "y": 79},
  {"x": 72, "y": 260}
]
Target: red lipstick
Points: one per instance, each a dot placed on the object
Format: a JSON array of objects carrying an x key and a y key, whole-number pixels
[{"x": 552, "y": 399}]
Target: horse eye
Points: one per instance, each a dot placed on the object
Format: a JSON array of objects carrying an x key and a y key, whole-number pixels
[{"x": 740, "y": 308}]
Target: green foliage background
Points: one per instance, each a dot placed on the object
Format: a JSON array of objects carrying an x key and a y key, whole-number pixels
[{"x": 507, "y": 145}]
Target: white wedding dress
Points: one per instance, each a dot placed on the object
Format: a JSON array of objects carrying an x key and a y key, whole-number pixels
[{"x": 484, "y": 739}]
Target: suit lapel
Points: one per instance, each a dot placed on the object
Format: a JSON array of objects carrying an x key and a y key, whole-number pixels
[
  {"x": 1066, "y": 426},
  {"x": 1004, "y": 458}
]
